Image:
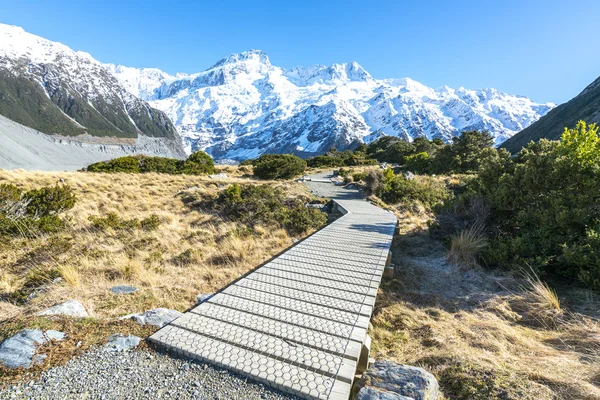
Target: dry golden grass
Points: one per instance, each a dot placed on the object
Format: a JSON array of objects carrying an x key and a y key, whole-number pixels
[
  {"x": 466, "y": 246},
  {"x": 484, "y": 349},
  {"x": 191, "y": 252}
]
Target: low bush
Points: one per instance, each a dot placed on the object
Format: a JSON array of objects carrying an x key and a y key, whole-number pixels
[
  {"x": 278, "y": 166},
  {"x": 198, "y": 163},
  {"x": 346, "y": 158},
  {"x": 35, "y": 211},
  {"x": 544, "y": 207},
  {"x": 398, "y": 189},
  {"x": 263, "y": 205}
]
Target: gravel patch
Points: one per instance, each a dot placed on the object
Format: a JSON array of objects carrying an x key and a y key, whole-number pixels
[{"x": 139, "y": 374}]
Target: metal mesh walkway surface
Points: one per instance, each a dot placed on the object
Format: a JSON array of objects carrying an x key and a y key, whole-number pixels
[{"x": 298, "y": 322}]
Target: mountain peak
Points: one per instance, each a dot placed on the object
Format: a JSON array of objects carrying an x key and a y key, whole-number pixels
[{"x": 251, "y": 55}]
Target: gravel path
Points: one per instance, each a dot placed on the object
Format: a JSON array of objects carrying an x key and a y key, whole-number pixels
[{"x": 139, "y": 374}]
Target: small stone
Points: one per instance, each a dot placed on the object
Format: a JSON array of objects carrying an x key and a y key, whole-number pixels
[
  {"x": 71, "y": 308},
  {"x": 123, "y": 289},
  {"x": 370, "y": 393},
  {"x": 158, "y": 317},
  {"x": 409, "y": 176},
  {"x": 119, "y": 342}
]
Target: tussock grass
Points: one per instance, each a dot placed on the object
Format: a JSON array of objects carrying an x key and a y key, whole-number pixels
[
  {"x": 189, "y": 252},
  {"x": 487, "y": 349},
  {"x": 466, "y": 246}
]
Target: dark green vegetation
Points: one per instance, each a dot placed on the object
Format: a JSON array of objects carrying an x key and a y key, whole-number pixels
[
  {"x": 33, "y": 212},
  {"x": 399, "y": 189},
  {"x": 347, "y": 158},
  {"x": 466, "y": 154},
  {"x": 113, "y": 221},
  {"x": 24, "y": 100},
  {"x": 541, "y": 209},
  {"x": 263, "y": 205},
  {"x": 585, "y": 106},
  {"x": 198, "y": 163},
  {"x": 278, "y": 166}
]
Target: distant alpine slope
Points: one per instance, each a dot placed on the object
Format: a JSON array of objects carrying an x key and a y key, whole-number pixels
[
  {"x": 585, "y": 106},
  {"x": 244, "y": 106},
  {"x": 52, "y": 89}
]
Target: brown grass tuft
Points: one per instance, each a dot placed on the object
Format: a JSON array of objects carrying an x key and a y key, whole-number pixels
[{"x": 465, "y": 247}]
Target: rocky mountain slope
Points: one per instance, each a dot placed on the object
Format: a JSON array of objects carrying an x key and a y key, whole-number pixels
[
  {"x": 23, "y": 147},
  {"x": 49, "y": 87},
  {"x": 244, "y": 106},
  {"x": 585, "y": 106}
]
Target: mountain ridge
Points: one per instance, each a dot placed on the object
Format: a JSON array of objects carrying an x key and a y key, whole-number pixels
[
  {"x": 243, "y": 100},
  {"x": 49, "y": 87},
  {"x": 585, "y": 106}
]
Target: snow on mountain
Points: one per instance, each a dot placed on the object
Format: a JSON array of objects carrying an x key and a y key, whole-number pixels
[
  {"x": 56, "y": 90},
  {"x": 244, "y": 106}
]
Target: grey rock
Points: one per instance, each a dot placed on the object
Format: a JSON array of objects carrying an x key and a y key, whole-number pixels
[
  {"x": 370, "y": 393},
  {"x": 123, "y": 289},
  {"x": 385, "y": 377},
  {"x": 158, "y": 317},
  {"x": 218, "y": 176},
  {"x": 201, "y": 298},
  {"x": 409, "y": 176},
  {"x": 71, "y": 308},
  {"x": 19, "y": 350},
  {"x": 119, "y": 342}
]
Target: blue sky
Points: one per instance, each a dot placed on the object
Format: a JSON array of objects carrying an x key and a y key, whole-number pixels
[{"x": 547, "y": 50}]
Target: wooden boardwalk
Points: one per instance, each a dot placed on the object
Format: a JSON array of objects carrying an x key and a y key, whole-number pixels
[{"x": 297, "y": 323}]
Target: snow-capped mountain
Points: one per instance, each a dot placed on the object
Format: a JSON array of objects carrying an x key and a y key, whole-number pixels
[
  {"x": 49, "y": 87},
  {"x": 244, "y": 106}
]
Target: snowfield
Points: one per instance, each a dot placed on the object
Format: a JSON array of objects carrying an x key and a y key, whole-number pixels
[{"x": 244, "y": 106}]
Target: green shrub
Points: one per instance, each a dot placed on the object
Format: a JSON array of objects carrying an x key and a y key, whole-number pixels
[
  {"x": 50, "y": 200},
  {"x": 325, "y": 161},
  {"x": 33, "y": 212},
  {"x": 128, "y": 164},
  {"x": 545, "y": 211},
  {"x": 359, "y": 176},
  {"x": 263, "y": 205},
  {"x": 278, "y": 166},
  {"x": 198, "y": 163},
  {"x": 161, "y": 165},
  {"x": 425, "y": 190},
  {"x": 419, "y": 163}
]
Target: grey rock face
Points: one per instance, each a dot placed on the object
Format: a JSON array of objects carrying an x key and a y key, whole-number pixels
[
  {"x": 123, "y": 289},
  {"x": 158, "y": 317},
  {"x": 19, "y": 350},
  {"x": 71, "y": 308},
  {"x": 370, "y": 393},
  {"x": 119, "y": 342},
  {"x": 385, "y": 378}
]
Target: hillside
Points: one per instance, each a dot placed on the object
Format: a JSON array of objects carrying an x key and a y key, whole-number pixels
[
  {"x": 585, "y": 106},
  {"x": 244, "y": 106},
  {"x": 23, "y": 147},
  {"x": 49, "y": 87}
]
